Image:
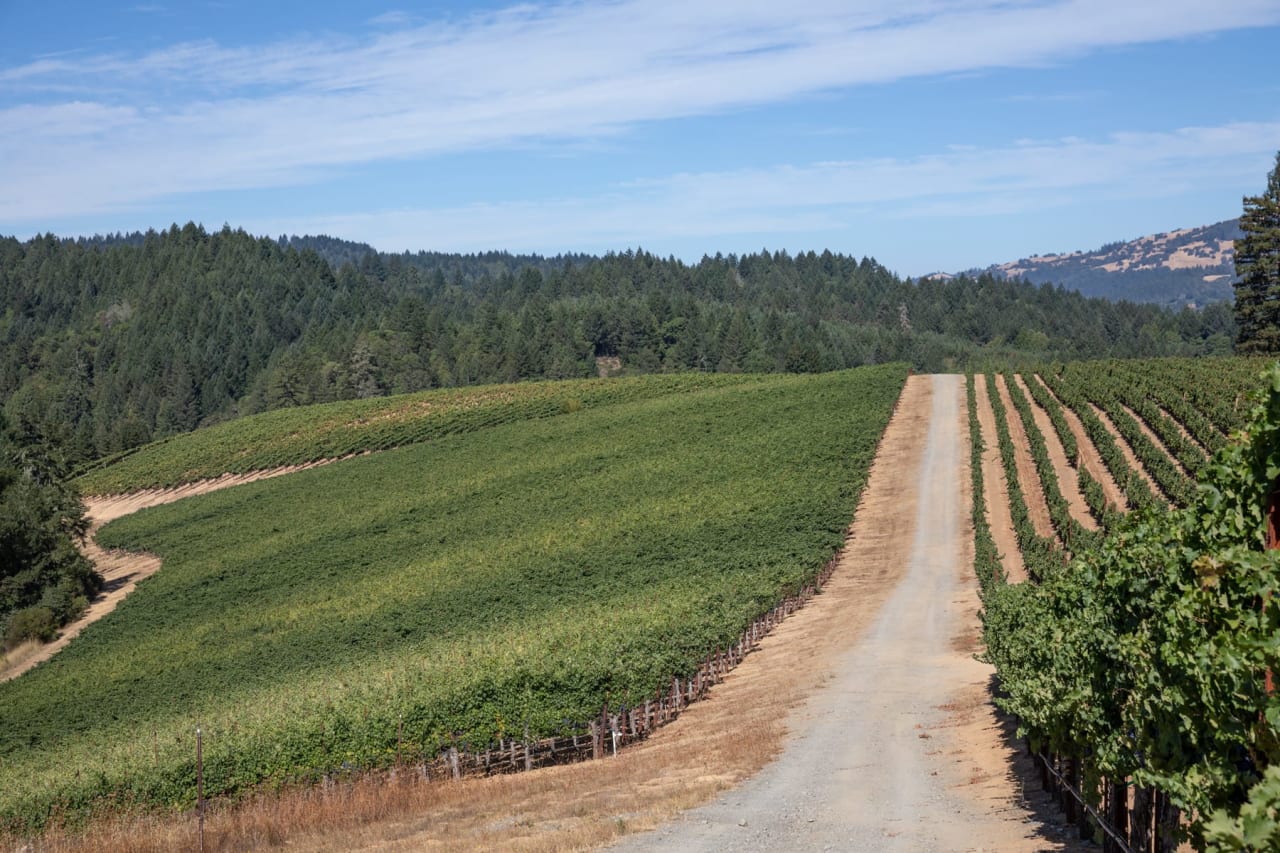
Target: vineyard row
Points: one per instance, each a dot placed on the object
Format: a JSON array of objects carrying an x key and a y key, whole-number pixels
[{"x": 1135, "y": 656}]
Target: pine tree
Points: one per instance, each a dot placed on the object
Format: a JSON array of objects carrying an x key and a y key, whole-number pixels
[
  {"x": 44, "y": 580},
  {"x": 1258, "y": 268}
]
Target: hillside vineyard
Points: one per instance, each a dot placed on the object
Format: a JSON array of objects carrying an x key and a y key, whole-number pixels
[
  {"x": 511, "y": 576},
  {"x": 1128, "y": 634}
]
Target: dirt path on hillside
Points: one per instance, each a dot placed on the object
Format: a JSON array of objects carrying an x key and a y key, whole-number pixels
[
  {"x": 123, "y": 570},
  {"x": 1090, "y": 459},
  {"x": 897, "y": 751},
  {"x": 1028, "y": 477},
  {"x": 1156, "y": 440},
  {"x": 1068, "y": 479},
  {"x": 996, "y": 488},
  {"x": 1127, "y": 452}
]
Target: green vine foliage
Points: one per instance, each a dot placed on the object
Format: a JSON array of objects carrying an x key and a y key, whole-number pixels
[
  {"x": 1135, "y": 490},
  {"x": 1039, "y": 553},
  {"x": 986, "y": 559},
  {"x": 1255, "y": 826},
  {"x": 1149, "y": 652}
]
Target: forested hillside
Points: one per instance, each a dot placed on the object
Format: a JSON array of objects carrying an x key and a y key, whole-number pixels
[
  {"x": 111, "y": 342},
  {"x": 44, "y": 580},
  {"x": 1187, "y": 266}
]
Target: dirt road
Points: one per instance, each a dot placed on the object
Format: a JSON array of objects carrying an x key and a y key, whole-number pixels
[{"x": 878, "y": 761}]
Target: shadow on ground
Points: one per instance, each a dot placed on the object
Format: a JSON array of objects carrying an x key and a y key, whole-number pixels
[{"x": 1025, "y": 771}]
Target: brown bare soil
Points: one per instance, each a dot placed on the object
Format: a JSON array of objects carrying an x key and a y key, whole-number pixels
[
  {"x": 1090, "y": 460},
  {"x": 1028, "y": 477},
  {"x": 996, "y": 489},
  {"x": 988, "y": 763},
  {"x": 1130, "y": 459},
  {"x": 974, "y": 738},
  {"x": 1186, "y": 434},
  {"x": 123, "y": 570},
  {"x": 1068, "y": 479},
  {"x": 1154, "y": 439}
]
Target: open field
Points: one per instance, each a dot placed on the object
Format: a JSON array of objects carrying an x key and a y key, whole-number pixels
[
  {"x": 506, "y": 618},
  {"x": 519, "y": 574}
]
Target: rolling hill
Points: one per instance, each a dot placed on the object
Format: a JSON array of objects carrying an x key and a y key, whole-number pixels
[{"x": 1190, "y": 266}]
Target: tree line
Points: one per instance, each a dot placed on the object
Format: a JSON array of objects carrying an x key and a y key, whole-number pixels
[
  {"x": 111, "y": 342},
  {"x": 44, "y": 579}
]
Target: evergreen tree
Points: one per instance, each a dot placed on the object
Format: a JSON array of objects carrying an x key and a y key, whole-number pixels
[
  {"x": 44, "y": 579},
  {"x": 1258, "y": 268}
]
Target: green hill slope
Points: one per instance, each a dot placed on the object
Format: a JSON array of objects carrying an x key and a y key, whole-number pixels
[
  {"x": 526, "y": 571},
  {"x": 333, "y": 430}
]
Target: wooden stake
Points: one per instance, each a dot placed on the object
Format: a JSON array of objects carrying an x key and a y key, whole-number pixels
[
  {"x": 200, "y": 787},
  {"x": 1140, "y": 823},
  {"x": 1072, "y": 770},
  {"x": 1119, "y": 812}
]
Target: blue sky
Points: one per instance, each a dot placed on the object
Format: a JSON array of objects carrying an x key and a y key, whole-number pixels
[{"x": 929, "y": 134}]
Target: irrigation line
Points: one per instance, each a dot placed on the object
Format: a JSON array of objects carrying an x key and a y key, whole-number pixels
[{"x": 1106, "y": 827}]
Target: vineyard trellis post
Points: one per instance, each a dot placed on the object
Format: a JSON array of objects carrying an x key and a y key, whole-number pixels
[
  {"x": 1273, "y": 543},
  {"x": 1141, "y": 823},
  {"x": 200, "y": 789},
  {"x": 1105, "y": 805}
]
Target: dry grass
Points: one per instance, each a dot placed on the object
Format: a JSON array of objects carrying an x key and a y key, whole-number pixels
[
  {"x": 16, "y": 657},
  {"x": 572, "y": 807}
]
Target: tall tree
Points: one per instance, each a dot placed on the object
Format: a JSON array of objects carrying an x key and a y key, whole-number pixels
[
  {"x": 1258, "y": 268},
  {"x": 44, "y": 580}
]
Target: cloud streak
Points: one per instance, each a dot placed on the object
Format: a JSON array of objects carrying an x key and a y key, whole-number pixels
[
  {"x": 123, "y": 130},
  {"x": 1025, "y": 178}
]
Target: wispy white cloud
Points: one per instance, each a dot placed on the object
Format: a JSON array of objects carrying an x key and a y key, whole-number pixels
[
  {"x": 394, "y": 18},
  {"x": 127, "y": 129},
  {"x": 1026, "y": 177}
]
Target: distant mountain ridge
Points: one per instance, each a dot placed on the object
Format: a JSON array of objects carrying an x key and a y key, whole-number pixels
[{"x": 1190, "y": 266}]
